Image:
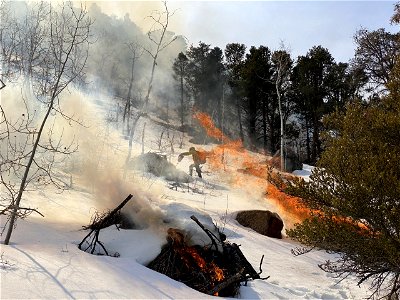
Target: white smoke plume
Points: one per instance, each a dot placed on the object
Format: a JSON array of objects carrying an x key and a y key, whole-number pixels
[
  {"x": 100, "y": 163},
  {"x": 97, "y": 166}
]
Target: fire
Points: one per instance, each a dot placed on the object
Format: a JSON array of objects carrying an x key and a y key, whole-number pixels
[
  {"x": 362, "y": 227},
  {"x": 288, "y": 203},
  {"x": 208, "y": 124},
  {"x": 201, "y": 263},
  {"x": 190, "y": 254},
  {"x": 233, "y": 158},
  {"x": 217, "y": 273},
  {"x": 238, "y": 162}
]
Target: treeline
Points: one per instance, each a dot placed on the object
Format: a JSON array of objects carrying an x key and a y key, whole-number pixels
[
  {"x": 252, "y": 92},
  {"x": 265, "y": 97}
]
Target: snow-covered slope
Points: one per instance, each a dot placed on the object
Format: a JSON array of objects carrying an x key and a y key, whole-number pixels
[{"x": 43, "y": 260}]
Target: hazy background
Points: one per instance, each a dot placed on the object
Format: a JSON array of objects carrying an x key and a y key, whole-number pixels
[{"x": 299, "y": 24}]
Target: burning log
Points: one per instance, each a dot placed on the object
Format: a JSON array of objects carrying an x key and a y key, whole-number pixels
[
  {"x": 234, "y": 279},
  {"x": 214, "y": 269},
  {"x": 99, "y": 222}
]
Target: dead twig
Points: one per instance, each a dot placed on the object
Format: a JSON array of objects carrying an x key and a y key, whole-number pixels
[{"x": 99, "y": 223}]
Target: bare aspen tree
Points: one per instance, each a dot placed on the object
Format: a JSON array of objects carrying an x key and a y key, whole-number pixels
[
  {"x": 65, "y": 51},
  {"x": 143, "y": 132},
  {"x": 179, "y": 67},
  {"x": 32, "y": 35},
  {"x": 135, "y": 51},
  {"x": 171, "y": 140},
  {"x": 282, "y": 66},
  {"x": 9, "y": 38},
  {"x": 160, "y": 139},
  {"x": 158, "y": 38},
  {"x": 181, "y": 136}
]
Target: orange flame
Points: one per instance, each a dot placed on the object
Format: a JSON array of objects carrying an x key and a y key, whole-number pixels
[
  {"x": 245, "y": 162},
  {"x": 215, "y": 272},
  {"x": 291, "y": 205},
  {"x": 232, "y": 153},
  {"x": 192, "y": 252},
  {"x": 207, "y": 123},
  {"x": 218, "y": 273}
]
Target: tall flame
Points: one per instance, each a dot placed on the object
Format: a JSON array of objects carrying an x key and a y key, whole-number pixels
[
  {"x": 231, "y": 156},
  {"x": 243, "y": 162},
  {"x": 208, "y": 124}
]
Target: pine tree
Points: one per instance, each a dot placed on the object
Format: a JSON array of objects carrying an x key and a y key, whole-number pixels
[
  {"x": 179, "y": 67},
  {"x": 355, "y": 193},
  {"x": 311, "y": 83}
]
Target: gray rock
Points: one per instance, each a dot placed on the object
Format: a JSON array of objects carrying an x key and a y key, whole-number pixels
[{"x": 264, "y": 222}]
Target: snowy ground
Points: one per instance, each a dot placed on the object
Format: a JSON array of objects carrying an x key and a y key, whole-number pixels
[
  {"x": 305, "y": 172},
  {"x": 43, "y": 260}
]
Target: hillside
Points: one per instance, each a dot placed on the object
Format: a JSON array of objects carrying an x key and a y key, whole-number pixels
[{"x": 43, "y": 260}]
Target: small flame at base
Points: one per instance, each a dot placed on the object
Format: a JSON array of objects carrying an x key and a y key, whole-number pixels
[{"x": 190, "y": 253}]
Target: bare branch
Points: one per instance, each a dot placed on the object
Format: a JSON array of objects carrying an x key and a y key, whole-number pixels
[{"x": 57, "y": 58}]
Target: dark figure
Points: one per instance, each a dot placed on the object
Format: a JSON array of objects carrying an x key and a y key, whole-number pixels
[{"x": 199, "y": 158}]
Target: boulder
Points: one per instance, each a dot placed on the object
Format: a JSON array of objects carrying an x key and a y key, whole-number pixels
[{"x": 264, "y": 222}]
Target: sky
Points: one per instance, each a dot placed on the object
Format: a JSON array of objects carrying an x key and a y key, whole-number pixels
[{"x": 298, "y": 25}]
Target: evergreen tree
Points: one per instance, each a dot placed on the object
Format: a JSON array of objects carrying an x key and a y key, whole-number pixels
[
  {"x": 206, "y": 79},
  {"x": 179, "y": 67},
  {"x": 376, "y": 54},
  {"x": 354, "y": 193},
  {"x": 234, "y": 55},
  {"x": 261, "y": 109},
  {"x": 216, "y": 80},
  {"x": 311, "y": 78},
  {"x": 197, "y": 75},
  {"x": 344, "y": 84}
]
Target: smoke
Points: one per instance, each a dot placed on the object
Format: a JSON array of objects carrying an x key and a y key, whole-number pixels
[
  {"x": 97, "y": 165},
  {"x": 139, "y": 12},
  {"x": 100, "y": 161},
  {"x": 110, "y": 65}
]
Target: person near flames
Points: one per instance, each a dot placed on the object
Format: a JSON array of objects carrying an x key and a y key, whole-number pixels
[{"x": 199, "y": 158}]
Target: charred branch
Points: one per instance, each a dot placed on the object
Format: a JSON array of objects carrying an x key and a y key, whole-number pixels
[
  {"x": 107, "y": 219},
  {"x": 208, "y": 232},
  {"x": 231, "y": 280}
]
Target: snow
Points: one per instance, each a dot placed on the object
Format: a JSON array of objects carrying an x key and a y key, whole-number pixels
[
  {"x": 43, "y": 260},
  {"x": 305, "y": 172}
]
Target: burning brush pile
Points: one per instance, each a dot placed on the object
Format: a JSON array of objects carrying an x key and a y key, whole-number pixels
[{"x": 216, "y": 269}]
